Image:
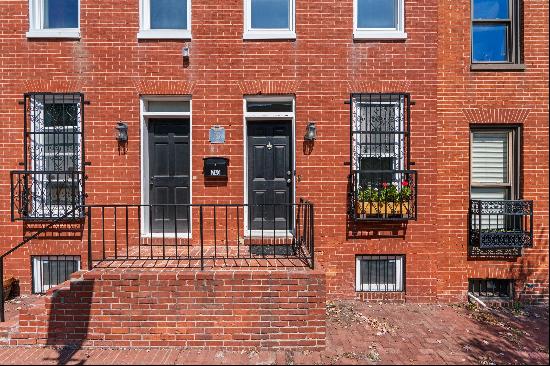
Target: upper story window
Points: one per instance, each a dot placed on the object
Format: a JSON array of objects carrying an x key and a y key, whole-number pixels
[
  {"x": 269, "y": 19},
  {"x": 168, "y": 19},
  {"x": 54, "y": 19},
  {"x": 495, "y": 33},
  {"x": 379, "y": 19}
]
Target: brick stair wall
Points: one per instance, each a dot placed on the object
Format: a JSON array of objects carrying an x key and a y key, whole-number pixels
[{"x": 233, "y": 309}]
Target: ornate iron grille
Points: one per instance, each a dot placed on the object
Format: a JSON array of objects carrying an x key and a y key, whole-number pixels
[
  {"x": 383, "y": 187},
  {"x": 52, "y": 181},
  {"x": 501, "y": 224}
]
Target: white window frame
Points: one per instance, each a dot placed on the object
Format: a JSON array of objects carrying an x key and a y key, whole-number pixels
[
  {"x": 37, "y": 165},
  {"x": 268, "y": 116},
  {"x": 399, "y": 275},
  {"x": 38, "y": 286},
  {"x": 267, "y": 33},
  {"x": 397, "y": 32},
  {"x": 145, "y": 115},
  {"x": 36, "y": 24},
  {"x": 145, "y": 31}
]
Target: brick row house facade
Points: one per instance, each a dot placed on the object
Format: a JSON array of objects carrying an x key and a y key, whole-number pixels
[{"x": 226, "y": 167}]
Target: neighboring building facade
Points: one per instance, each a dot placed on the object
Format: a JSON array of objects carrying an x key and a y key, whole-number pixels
[{"x": 417, "y": 130}]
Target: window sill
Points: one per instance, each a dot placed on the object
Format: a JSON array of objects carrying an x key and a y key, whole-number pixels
[
  {"x": 54, "y": 33},
  {"x": 497, "y": 67},
  {"x": 379, "y": 35},
  {"x": 164, "y": 34},
  {"x": 259, "y": 35}
]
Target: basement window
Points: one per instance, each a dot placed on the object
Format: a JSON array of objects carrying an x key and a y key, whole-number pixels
[
  {"x": 51, "y": 270},
  {"x": 54, "y": 19},
  {"x": 165, "y": 19},
  {"x": 491, "y": 287},
  {"x": 379, "y": 273}
]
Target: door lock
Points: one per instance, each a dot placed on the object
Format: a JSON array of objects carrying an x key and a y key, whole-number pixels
[
  {"x": 289, "y": 180},
  {"x": 289, "y": 173}
]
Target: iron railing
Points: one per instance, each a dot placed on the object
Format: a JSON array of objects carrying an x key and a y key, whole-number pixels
[
  {"x": 46, "y": 195},
  {"x": 383, "y": 195},
  {"x": 504, "y": 224},
  {"x": 199, "y": 235},
  {"x": 383, "y": 187}
]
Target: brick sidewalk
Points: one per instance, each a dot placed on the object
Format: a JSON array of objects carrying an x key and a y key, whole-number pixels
[{"x": 359, "y": 333}]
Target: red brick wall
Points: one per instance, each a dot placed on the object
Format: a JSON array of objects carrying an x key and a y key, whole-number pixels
[
  {"x": 233, "y": 309},
  {"x": 320, "y": 68},
  {"x": 466, "y": 97}
]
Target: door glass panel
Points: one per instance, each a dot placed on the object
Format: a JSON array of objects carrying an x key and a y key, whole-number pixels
[
  {"x": 168, "y": 106},
  {"x": 269, "y": 106}
]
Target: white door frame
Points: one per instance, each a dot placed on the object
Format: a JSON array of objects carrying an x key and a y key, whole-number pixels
[
  {"x": 145, "y": 115},
  {"x": 269, "y": 116}
]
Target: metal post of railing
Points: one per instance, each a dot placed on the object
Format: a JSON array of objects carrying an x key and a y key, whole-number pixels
[
  {"x": 201, "y": 237},
  {"x": 312, "y": 245},
  {"x": 2, "y": 319},
  {"x": 89, "y": 238}
]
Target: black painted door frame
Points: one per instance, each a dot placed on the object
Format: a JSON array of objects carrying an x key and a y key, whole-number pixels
[{"x": 275, "y": 138}]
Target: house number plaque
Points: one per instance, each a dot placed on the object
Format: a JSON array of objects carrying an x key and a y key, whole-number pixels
[{"x": 217, "y": 135}]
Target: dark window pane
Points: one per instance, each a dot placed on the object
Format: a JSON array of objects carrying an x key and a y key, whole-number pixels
[
  {"x": 376, "y": 13},
  {"x": 378, "y": 272},
  {"x": 168, "y": 14},
  {"x": 269, "y": 106},
  {"x": 490, "y": 43},
  {"x": 60, "y": 114},
  {"x": 60, "y": 13},
  {"x": 270, "y": 14},
  {"x": 491, "y": 9}
]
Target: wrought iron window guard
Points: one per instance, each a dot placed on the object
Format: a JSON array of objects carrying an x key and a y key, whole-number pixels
[
  {"x": 46, "y": 195},
  {"x": 382, "y": 185},
  {"x": 52, "y": 181},
  {"x": 504, "y": 224}
]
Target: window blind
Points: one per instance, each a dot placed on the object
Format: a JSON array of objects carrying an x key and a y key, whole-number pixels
[{"x": 490, "y": 158}]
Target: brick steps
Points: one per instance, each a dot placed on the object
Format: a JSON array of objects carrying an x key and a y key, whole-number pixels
[{"x": 234, "y": 309}]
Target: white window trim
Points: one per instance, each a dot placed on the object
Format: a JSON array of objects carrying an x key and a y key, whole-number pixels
[
  {"x": 145, "y": 31},
  {"x": 398, "y": 287},
  {"x": 145, "y": 115},
  {"x": 36, "y": 24},
  {"x": 268, "y": 116},
  {"x": 266, "y": 33},
  {"x": 396, "y": 33}
]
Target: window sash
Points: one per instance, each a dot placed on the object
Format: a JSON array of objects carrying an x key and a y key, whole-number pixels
[
  {"x": 512, "y": 37},
  {"x": 37, "y": 13},
  {"x": 248, "y": 19},
  {"x": 145, "y": 11}
]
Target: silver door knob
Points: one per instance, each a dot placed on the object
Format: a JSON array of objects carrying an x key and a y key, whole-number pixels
[
  {"x": 289, "y": 173},
  {"x": 289, "y": 180}
]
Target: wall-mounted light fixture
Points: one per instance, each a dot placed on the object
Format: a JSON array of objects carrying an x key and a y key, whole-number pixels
[
  {"x": 185, "y": 52},
  {"x": 121, "y": 132},
  {"x": 311, "y": 132}
]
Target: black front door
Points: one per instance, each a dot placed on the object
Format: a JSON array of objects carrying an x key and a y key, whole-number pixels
[
  {"x": 169, "y": 174},
  {"x": 270, "y": 175}
]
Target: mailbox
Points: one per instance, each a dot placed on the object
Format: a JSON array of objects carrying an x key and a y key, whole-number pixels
[{"x": 215, "y": 167}]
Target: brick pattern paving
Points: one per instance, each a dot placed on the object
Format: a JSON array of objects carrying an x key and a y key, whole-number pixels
[{"x": 359, "y": 333}]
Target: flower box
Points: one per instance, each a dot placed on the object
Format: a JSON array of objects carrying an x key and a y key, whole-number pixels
[{"x": 383, "y": 208}]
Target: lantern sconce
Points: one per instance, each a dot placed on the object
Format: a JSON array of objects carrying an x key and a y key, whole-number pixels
[
  {"x": 122, "y": 132},
  {"x": 311, "y": 132}
]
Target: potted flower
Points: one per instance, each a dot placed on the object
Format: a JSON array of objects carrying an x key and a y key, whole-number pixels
[{"x": 389, "y": 199}]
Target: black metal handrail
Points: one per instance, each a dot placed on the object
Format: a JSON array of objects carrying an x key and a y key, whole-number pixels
[
  {"x": 201, "y": 233},
  {"x": 501, "y": 224},
  {"x": 46, "y": 194},
  {"x": 383, "y": 195}
]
